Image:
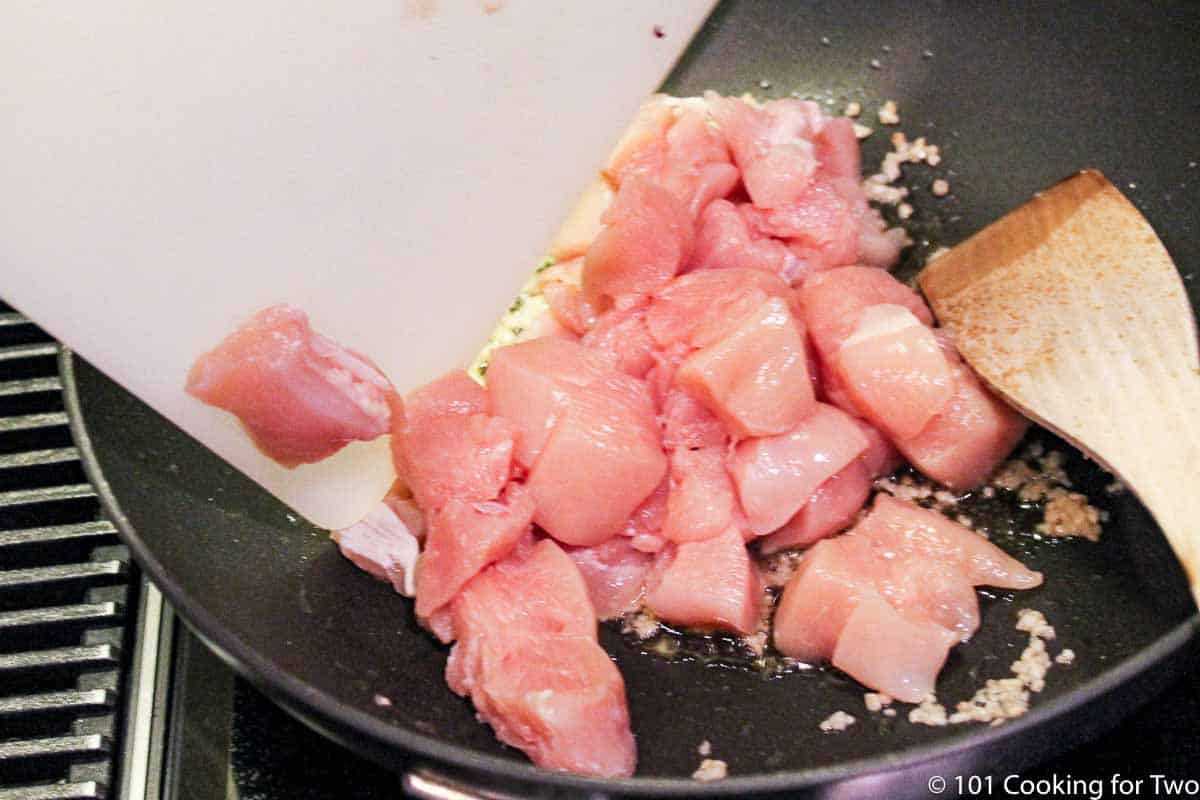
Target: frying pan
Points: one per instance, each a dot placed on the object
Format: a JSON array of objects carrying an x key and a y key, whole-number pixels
[{"x": 1018, "y": 96}]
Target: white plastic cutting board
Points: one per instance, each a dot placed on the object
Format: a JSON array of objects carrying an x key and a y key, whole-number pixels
[{"x": 394, "y": 167}]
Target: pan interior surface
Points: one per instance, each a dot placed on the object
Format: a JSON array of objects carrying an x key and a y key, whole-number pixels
[{"x": 1016, "y": 99}]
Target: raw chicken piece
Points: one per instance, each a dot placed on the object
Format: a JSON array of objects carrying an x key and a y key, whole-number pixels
[
  {"x": 881, "y": 456},
  {"x": 837, "y": 150},
  {"x": 407, "y": 510},
  {"x": 698, "y": 169},
  {"x": 535, "y": 589},
  {"x": 893, "y": 371},
  {"x": 582, "y": 224},
  {"x": 643, "y": 148},
  {"x": 445, "y": 445},
  {"x": 834, "y": 302},
  {"x": 975, "y": 432},
  {"x": 824, "y": 222},
  {"x": 601, "y": 460},
  {"x": 724, "y": 240},
  {"x": 709, "y": 584},
  {"x": 776, "y": 475},
  {"x": 771, "y": 145},
  {"x": 700, "y": 307},
  {"x": 561, "y": 700},
  {"x": 615, "y": 574},
  {"x": 528, "y": 658},
  {"x": 904, "y": 530},
  {"x": 647, "y": 236},
  {"x": 644, "y": 526},
  {"x": 831, "y": 580},
  {"x": 701, "y": 502},
  {"x": 831, "y": 509},
  {"x": 559, "y": 285},
  {"x": 621, "y": 334},
  {"x": 687, "y": 423},
  {"x": 530, "y": 383},
  {"x": 882, "y": 649},
  {"x": 381, "y": 545},
  {"x": 301, "y": 397},
  {"x": 755, "y": 379},
  {"x": 933, "y": 591},
  {"x": 879, "y": 245},
  {"x": 465, "y": 537},
  {"x": 677, "y": 150}
]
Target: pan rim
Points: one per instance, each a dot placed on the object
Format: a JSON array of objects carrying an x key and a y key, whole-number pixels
[{"x": 294, "y": 694}]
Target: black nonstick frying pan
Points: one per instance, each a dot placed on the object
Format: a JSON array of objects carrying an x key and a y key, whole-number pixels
[{"x": 1018, "y": 96}]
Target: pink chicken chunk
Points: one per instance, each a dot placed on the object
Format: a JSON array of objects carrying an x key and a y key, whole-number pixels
[
  {"x": 301, "y": 397},
  {"x": 894, "y": 371},
  {"x": 886, "y": 601},
  {"x": 755, "y": 379},
  {"x": 527, "y": 657},
  {"x": 602, "y": 458},
  {"x": 964, "y": 443},
  {"x": 776, "y": 475},
  {"x": 731, "y": 591},
  {"x": 446, "y": 445},
  {"x": 772, "y": 146},
  {"x": 463, "y": 538},
  {"x": 646, "y": 238},
  {"x": 615, "y": 573},
  {"x": 701, "y": 503},
  {"x": 881, "y": 648}
]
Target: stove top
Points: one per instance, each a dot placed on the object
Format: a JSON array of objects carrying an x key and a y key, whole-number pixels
[{"x": 236, "y": 744}]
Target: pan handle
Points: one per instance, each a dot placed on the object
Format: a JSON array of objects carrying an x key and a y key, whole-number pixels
[{"x": 425, "y": 783}]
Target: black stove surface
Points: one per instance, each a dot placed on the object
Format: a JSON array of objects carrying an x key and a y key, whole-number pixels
[{"x": 233, "y": 742}]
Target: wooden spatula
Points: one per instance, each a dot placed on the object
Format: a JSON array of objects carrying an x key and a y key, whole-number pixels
[{"x": 1072, "y": 309}]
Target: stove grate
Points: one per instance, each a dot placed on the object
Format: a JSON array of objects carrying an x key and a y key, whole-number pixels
[{"x": 67, "y": 591}]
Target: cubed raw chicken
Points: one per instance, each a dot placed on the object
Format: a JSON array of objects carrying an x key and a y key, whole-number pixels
[
  {"x": 816, "y": 603},
  {"x": 963, "y": 444},
  {"x": 603, "y": 457},
  {"x": 776, "y": 475},
  {"x": 530, "y": 385},
  {"x": 301, "y": 397},
  {"x": 463, "y": 538},
  {"x": 838, "y": 155},
  {"x": 381, "y": 545},
  {"x": 698, "y": 169},
  {"x": 643, "y": 149},
  {"x": 702, "y": 502},
  {"x": 835, "y": 300},
  {"x": 833, "y": 507},
  {"x": 615, "y": 574},
  {"x": 894, "y": 371},
  {"x": 755, "y": 379},
  {"x": 646, "y": 238},
  {"x": 772, "y": 146},
  {"x": 687, "y": 423},
  {"x": 700, "y": 307},
  {"x": 725, "y": 240},
  {"x": 931, "y": 590},
  {"x": 446, "y": 445},
  {"x": 905, "y": 529},
  {"x": 709, "y": 584},
  {"x": 527, "y": 657},
  {"x": 623, "y": 337},
  {"x": 822, "y": 225},
  {"x": 644, "y": 526},
  {"x": 883, "y": 649}
]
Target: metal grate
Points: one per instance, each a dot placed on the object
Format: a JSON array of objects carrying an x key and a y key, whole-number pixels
[{"x": 65, "y": 591}]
